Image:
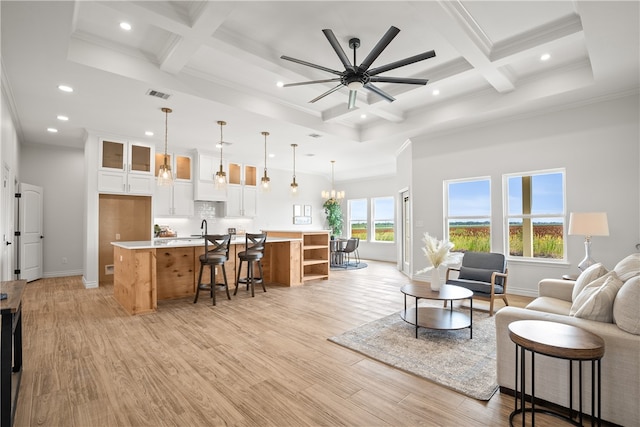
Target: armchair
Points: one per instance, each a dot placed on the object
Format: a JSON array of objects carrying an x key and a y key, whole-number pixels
[{"x": 485, "y": 274}]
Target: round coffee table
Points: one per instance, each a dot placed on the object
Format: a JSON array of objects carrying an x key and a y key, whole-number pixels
[
  {"x": 563, "y": 342},
  {"x": 435, "y": 317}
]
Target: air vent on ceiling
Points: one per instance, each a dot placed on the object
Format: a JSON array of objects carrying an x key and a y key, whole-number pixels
[
  {"x": 158, "y": 94},
  {"x": 315, "y": 135}
]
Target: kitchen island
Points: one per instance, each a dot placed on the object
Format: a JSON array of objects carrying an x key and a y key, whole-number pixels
[{"x": 160, "y": 269}]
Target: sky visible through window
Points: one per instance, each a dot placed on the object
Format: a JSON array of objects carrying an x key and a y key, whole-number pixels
[
  {"x": 383, "y": 206},
  {"x": 472, "y": 198}
]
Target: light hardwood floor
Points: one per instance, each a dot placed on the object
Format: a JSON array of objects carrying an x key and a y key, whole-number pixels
[{"x": 246, "y": 362}]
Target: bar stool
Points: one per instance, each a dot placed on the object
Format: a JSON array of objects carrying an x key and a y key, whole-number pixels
[
  {"x": 217, "y": 255},
  {"x": 253, "y": 253}
]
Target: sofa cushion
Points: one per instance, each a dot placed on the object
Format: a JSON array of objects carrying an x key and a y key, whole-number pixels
[
  {"x": 476, "y": 286},
  {"x": 626, "y": 310},
  {"x": 595, "y": 302},
  {"x": 550, "y": 305},
  {"x": 588, "y": 276},
  {"x": 628, "y": 267}
]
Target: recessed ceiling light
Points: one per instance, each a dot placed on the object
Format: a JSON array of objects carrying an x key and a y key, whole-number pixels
[
  {"x": 280, "y": 84},
  {"x": 63, "y": 118},
  {"x": 125, "y": 26},
  {"x": 271, "y": 155},
  {"x": 436, "y": 92},
  {"x": 148, "y": 133},
  {"x": 363, "y": 116},
  {"x": 65, "y": 88},
  {"x": 52, "y": 130},
  {"x": 545, "y": 57}
]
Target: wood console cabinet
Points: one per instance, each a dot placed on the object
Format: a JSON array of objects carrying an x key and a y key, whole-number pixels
[{"x": 315, "y": 252}]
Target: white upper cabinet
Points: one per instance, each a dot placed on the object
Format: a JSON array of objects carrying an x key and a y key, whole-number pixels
[
  {"x": 126, "y": 167},
  {"x": 206, "y": 167}
]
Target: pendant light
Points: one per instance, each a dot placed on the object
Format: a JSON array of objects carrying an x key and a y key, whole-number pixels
[
  {"x": 294, "y": 184},
  {"x": 265, "y": 181},
  {"x": 165, "y": 177},
  {"x": 220, "y": 177},
  {"x": 333, "y": 194}
]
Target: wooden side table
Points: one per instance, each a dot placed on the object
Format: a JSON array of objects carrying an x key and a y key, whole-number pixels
[
  {"x": 11, "y": 349},
  {"x": 561, "y": 341}
]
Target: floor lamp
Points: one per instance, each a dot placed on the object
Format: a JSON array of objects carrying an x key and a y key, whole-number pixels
[{"x": 588, "y": 224}]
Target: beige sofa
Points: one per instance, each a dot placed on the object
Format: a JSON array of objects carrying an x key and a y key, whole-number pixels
[{"x": 621, "y": 334}]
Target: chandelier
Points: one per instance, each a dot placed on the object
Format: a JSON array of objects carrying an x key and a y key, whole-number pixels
[
  {"x": 333, "y": 194},
  {"x": 220, "y": 177},
  {"x": 165, "y": 177},
  {"x": 265, "y": 179}
]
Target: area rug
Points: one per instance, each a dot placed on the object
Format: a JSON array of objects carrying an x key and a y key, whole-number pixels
[
  {"x": 448, "y": 358},
  {"x": 350, "y": 266}
]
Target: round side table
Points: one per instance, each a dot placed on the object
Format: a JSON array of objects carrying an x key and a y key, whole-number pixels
[{"x": 561, "y": 341}]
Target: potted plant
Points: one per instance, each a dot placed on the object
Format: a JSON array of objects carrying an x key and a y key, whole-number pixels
[{"x": 334, "y": 216}]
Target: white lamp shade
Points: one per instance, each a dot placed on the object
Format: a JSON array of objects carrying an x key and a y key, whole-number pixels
[{"x": 588, "y": 224}]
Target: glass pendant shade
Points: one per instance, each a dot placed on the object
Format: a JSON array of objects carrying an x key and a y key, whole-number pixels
[
  {"x": 165, "y": 176},
  {"x": 220, "y": 178},
  {"x": 333, "y": 194},
  {"x": 294, "y": 184},
  {"x": 265, "y": 182}
]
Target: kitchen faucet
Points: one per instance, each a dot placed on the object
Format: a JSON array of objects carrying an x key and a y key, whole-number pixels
[{"x": 203, "y": 224}]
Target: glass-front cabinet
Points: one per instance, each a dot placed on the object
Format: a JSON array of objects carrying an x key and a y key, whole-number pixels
[
  {"x": 242, "y": 193},
  {"x": 125, "y": 167},
  {"x": 177, "y": 199}
]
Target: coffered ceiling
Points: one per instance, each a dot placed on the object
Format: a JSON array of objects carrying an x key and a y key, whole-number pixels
[{"x": 222, "y": 60}]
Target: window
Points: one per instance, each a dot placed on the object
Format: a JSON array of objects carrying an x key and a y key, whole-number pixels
[
  {"x": 383, "y": 219},
  {"x": 468, "y": 214},
  {"x": 358, "y": 218},
  {"x": 535, "y": 214}
]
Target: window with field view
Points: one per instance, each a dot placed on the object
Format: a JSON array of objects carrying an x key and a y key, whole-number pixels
[
  {"x": 357, "y": 212},
  {"x": 383, "y": 219},
  {"x": 536, "y": 215},
  {"x": 468, "y": 214}
]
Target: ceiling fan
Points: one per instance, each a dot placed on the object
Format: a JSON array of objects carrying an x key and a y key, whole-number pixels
[{"x": 360, "y": 76}]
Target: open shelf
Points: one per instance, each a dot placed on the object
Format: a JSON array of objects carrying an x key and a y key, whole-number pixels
[{"x": 315, "y": 252}]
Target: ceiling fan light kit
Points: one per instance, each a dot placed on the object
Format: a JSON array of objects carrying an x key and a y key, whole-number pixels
[{"x": 362, "y": 77}]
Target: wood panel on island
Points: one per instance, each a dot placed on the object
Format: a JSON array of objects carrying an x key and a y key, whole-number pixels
[{"x": 151, "y": 271}]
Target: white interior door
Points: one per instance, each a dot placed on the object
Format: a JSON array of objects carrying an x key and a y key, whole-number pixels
[
  {"x": 31, "y": 231},
  {"x": 7, "y": 218}
]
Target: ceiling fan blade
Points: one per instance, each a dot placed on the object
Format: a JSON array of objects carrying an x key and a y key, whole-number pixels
[
  {"x": 352, "y": 99},
  {"x": 380, "y": 92},
  {"x": 402, "y": 62},
  {"x": 312, "y": 82},
  {"x": 378, "y": 48},
  {"x": 309, "y": 64},
  {"x": 333, "y": 41},
  {"x": 330, "y": 91},
  {"x": 409, "y": 81}
]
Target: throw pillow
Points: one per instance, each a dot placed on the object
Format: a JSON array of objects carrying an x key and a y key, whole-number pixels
[
  {"x": 595, "y": 302},
  {"x": 628, "y": 267},
  {"x": 625, "y": 307},
  {"x": 586, "y": 277}
]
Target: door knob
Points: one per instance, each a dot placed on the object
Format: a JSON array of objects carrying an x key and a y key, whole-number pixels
[{"x": 8, "y": 243}]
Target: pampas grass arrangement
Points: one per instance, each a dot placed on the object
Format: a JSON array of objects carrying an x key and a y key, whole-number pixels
[{"x": 438, "y": 252}]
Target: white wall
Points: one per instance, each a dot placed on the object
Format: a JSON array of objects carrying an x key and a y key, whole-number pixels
[
  {"x": 60, "y": 172},
  {"x": 383, "y": 186},
  {"x": 598, "y": 144}
]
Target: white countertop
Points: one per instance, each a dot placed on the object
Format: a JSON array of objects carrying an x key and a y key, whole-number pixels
[{"x": 182, "y": 242}]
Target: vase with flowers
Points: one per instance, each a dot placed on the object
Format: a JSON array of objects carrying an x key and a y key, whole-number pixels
[{"x": 438, "y": 253}]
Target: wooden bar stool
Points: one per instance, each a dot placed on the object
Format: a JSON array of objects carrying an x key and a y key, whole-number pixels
[
  {"x": 253, "y": 253},
  {"x": 218, "y": 254}
]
